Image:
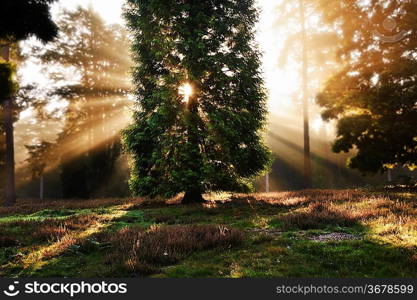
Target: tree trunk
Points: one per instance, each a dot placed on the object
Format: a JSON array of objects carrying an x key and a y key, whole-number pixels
[
  {"x": 267, "y": 183},
  {"x": 10, "y": 181},
  {"x": 307, "y": 156},
  {"x": 192, "y": 197},
  {"x": 41, "y": 185},
  {"x": 8, "y": 126}
]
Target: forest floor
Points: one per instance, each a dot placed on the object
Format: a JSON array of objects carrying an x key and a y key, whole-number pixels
[{"x": 317, "y": 233}]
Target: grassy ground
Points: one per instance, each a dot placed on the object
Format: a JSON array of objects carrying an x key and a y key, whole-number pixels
[{"x": 260, "y": 235}]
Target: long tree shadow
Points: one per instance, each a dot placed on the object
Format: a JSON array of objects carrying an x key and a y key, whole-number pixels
[{"x": 337, "y": 242}]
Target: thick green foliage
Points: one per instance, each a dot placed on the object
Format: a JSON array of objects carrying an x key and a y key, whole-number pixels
[
  {"x": 21, "y": 19},
  {"x": 214, "y": 141},
  {"x": 374, "y": 96},
  {"x": 7, "y": 84}
]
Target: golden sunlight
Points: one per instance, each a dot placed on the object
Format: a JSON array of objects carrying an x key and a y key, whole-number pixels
[{"x": 186, "y": 90}]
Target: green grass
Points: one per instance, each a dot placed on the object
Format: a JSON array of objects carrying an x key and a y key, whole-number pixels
[
  {"x": 51, "y": 214},
  {"x": 276, "y": 230}
]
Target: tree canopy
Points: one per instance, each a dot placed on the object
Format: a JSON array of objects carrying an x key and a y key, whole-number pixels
[
  {"x": 21, "y": 19},
  {"x": 373, "y": 98}
]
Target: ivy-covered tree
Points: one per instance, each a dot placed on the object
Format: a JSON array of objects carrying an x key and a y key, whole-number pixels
[
  {"x": 200, "y": 96},
  {"x": 7, "y": 90},
  {"x": 20, "y": 19},
  {"x": 373, "y": 98}
]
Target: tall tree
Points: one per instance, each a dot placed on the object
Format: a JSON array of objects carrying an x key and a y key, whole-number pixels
[
  {"x": 7, "y": 89},
  {"x": 96, "y": 56},
  {"x": 200, "y": 94},
  {"x": 20, "y": 19},
  {"x": 306, "y": 119},
  {"x": 373, "y": 98},
  {"x": 39, "y": 155},
  {"x": 20, "y": 102},
  {"x": 311, "y": 47}
]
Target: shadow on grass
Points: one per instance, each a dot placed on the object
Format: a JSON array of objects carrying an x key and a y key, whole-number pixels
[
  {"x": 293, "y": 253},
  {"x": 134, "y": 251},
  {"x": 291, "y": 256},
  {"x": 288, "y": 252}
]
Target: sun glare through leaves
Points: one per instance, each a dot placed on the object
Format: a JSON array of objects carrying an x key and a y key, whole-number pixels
[{"x": 186, "y": 90}]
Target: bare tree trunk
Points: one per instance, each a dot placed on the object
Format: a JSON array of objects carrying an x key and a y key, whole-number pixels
[
  {"x": 8, "y": 125},
  {"x": 267, "y": 183},
  {"x": 41, "y": 185},
  {"x": 5, "y": 52},
  {"x": 307, "y": 156},
  {"x": 10, "y": 184}
]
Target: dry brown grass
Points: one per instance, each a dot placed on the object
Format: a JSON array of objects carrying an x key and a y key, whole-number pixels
[
  {"x": 380, "y": 216},
  {"x": 54, "y": 230},
  {"x": 62, "y": 245},
  {"x": 319, "y": 215},
  {"x": 68, "y": 232},
  {"x": 144, "y": 251},
  {"x": 391, "y": 217},
  {"x": 48, "y": 230},
  {"x": 298, "y": 198}
]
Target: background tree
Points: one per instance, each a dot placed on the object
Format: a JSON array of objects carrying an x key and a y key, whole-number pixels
[
  {"x": 39, "y": 155},
  {"x": 91, "y": 64},
  {"x": 373, "y": 97},
  {"x": 201, "y": 102},
  {"x": 21, "y": 19},
  {"x": 311, "y": 47}
]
